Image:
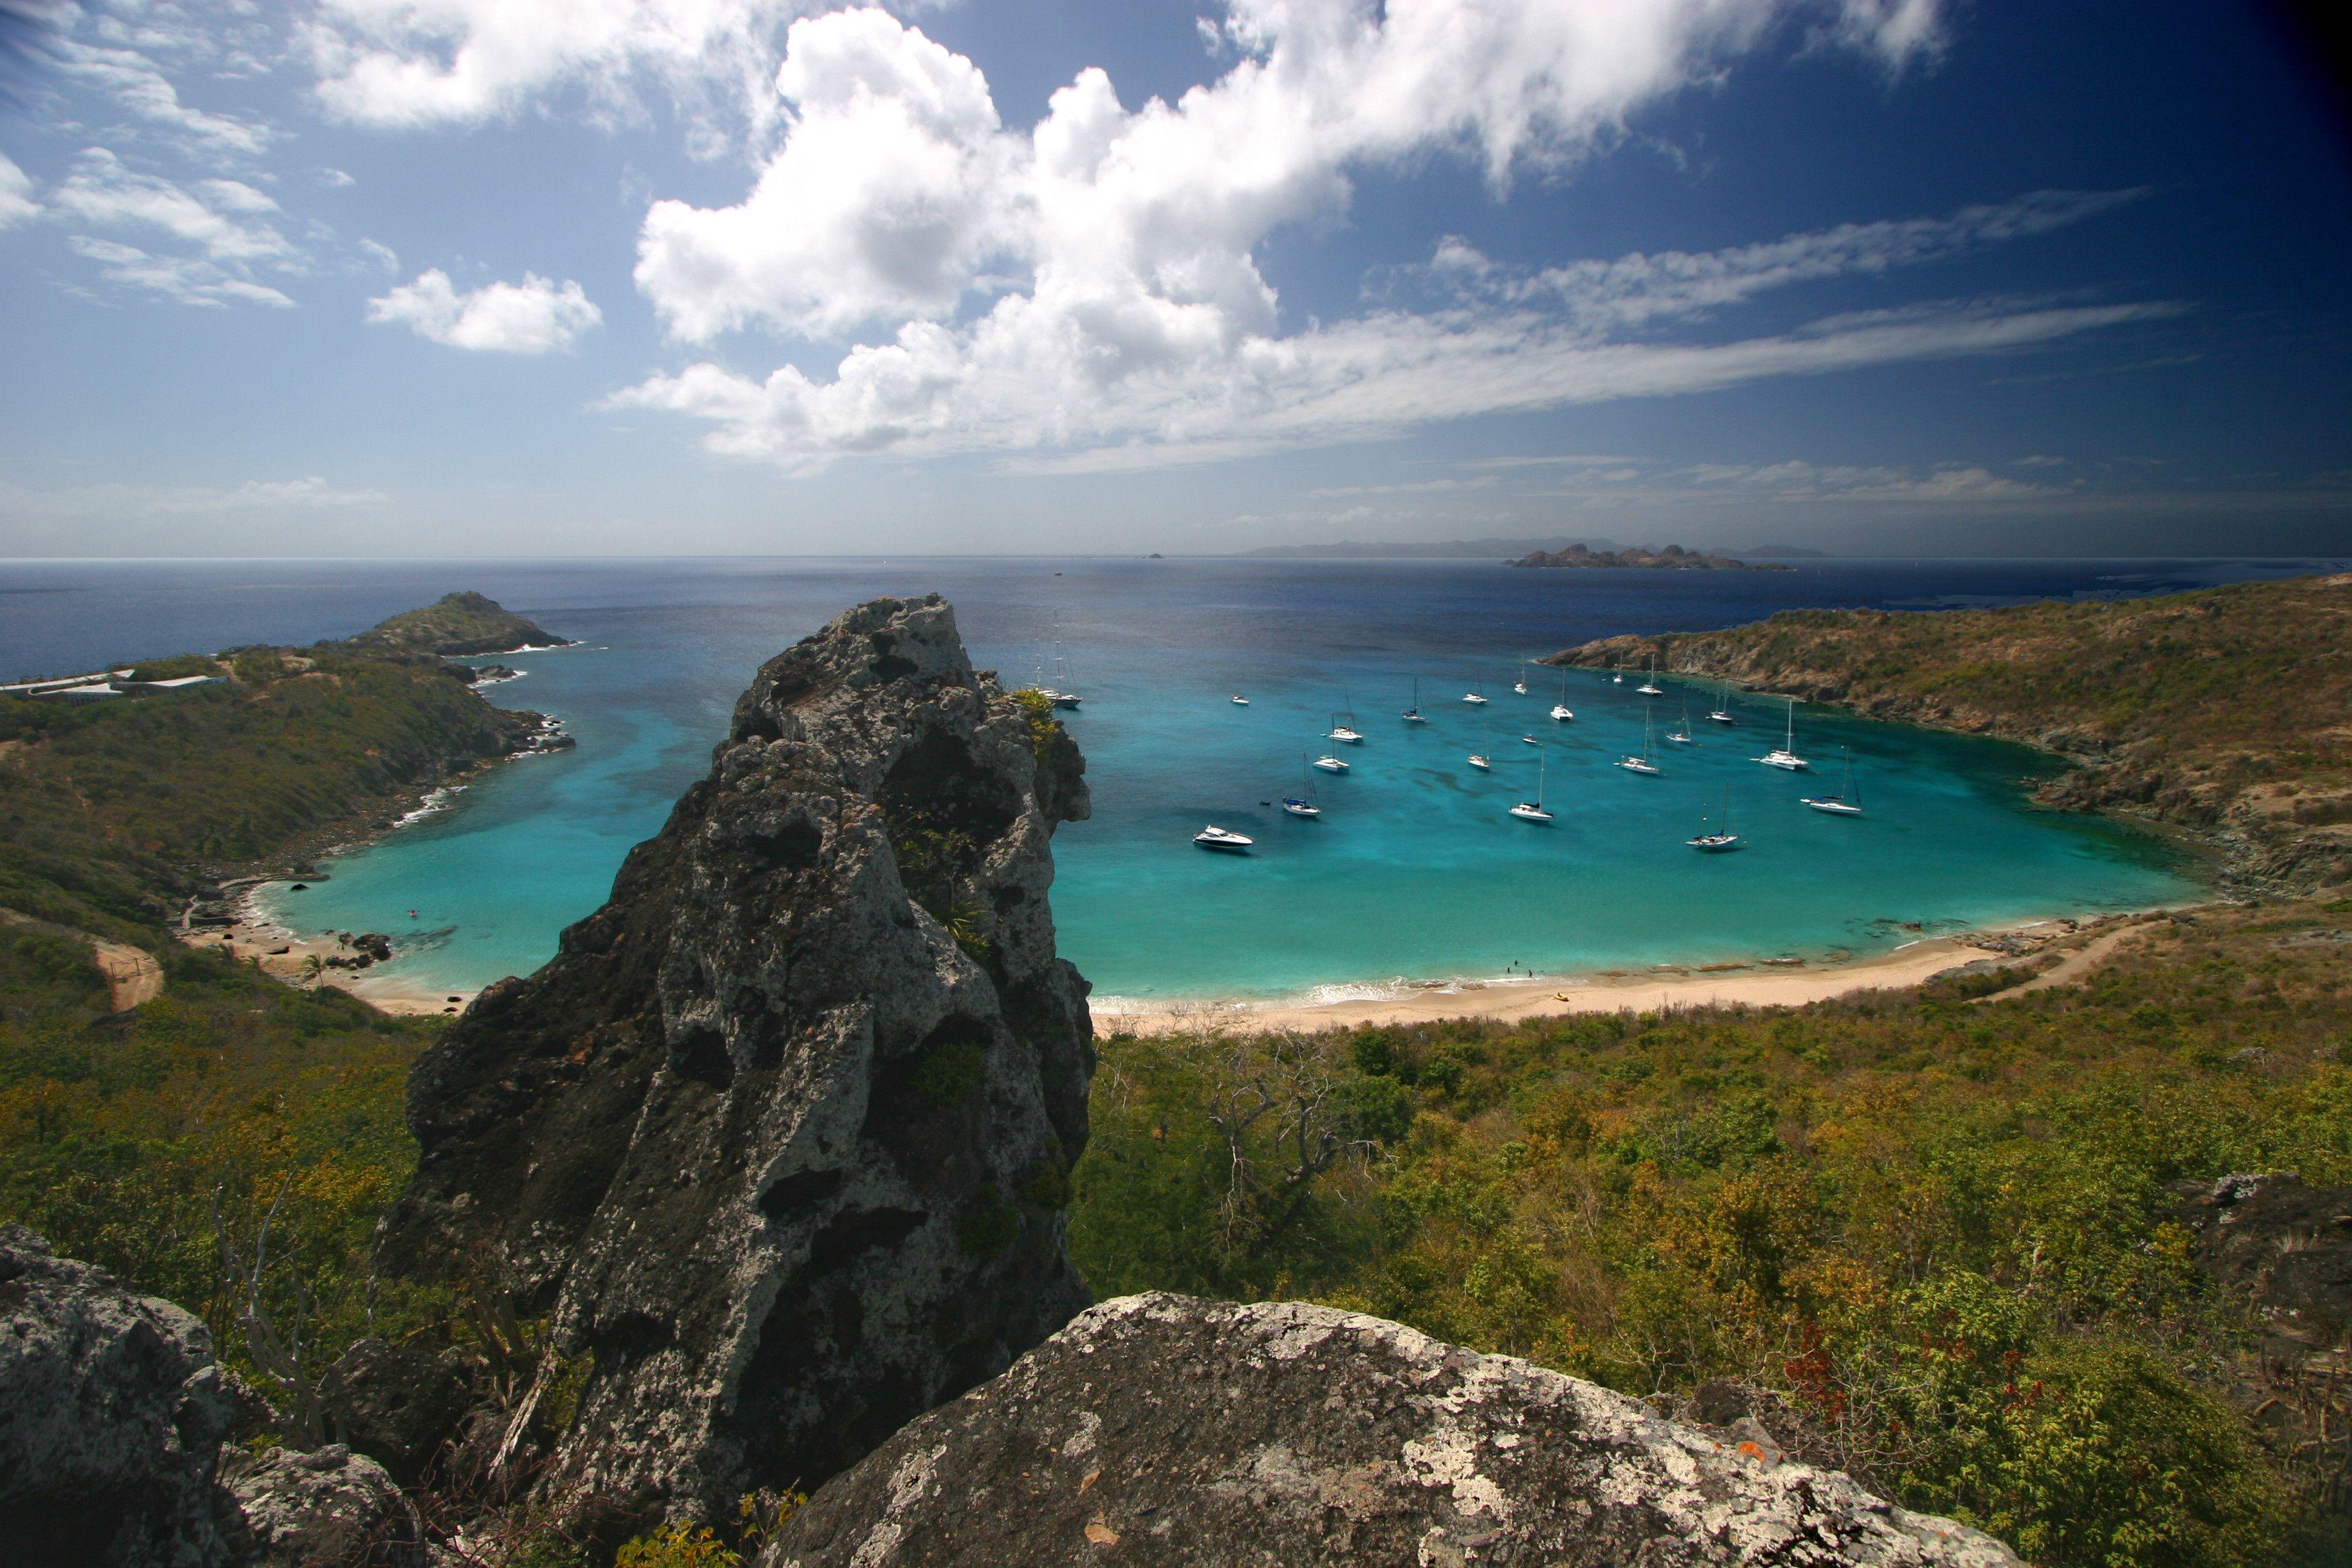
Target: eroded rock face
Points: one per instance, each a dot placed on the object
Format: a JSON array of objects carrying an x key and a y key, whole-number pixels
[
  {"x": 327, "y": 1508},
  {"x": 1163, "y": 1430},
  {"x": 780, "y": 1138},
  {"x": 111, "y": 1418}
]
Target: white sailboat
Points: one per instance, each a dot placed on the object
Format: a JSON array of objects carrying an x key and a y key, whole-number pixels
[
  {"x": 1641, "y": 764},
  {"x": 1616, "y": 678},
  {"x": 1216, "y": 837},
  {"x": 1649, "y": 686},
  {"x": 1785, "y": 757},
  {"x": 1478, "y": 760},
  {"x": 1343, "y": 729},
  {"x": 1520, "y": 685},
  {"x": 1304, "y": 804},
  {"x": 1060, "y": 694},
  {"x": 1847, "y": 802},
  {"x": 1680, "y": 735},
  {"x": 1239, "y": 701},
  {"x": 1473, "y": 696},
  {"x": 1533, "y": 810},
  {"x": 1722, "y": 838},
  {"x": 1560, "y": 710},
  {"x": 1721, "y": 713},
  {"x": 1413, "y": 714}
]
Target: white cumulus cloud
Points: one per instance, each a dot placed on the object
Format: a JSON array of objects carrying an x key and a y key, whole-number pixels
[
  {"x": 1087, "y": 294},
  {"x": 532, "y": 317}
]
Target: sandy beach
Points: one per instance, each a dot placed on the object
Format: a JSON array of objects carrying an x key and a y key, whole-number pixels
[
  {"x": 283, "y": 956},
  {"x": 1758, "y": 984}
]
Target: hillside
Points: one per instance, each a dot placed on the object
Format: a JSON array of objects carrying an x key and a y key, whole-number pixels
[
  {"x": 1672, "y": 558},
  {"x": 111, "y": 813},
  {"x": 2223, "y": 709},
  {"x": 457, "y": 626}
]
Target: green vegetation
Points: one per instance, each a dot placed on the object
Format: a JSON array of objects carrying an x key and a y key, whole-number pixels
[
  {"x": 160, "y": 1144},
  {"x": 1941, "y": 1231},
  {"x": 457, "y": 625},
  {"x": 2220, "y": 709},
  {"x": 105, "y": 809}
]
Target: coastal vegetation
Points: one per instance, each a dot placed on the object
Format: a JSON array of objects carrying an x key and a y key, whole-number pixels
[
  {"x": 1937, "y": 1231},
  {"x": 2221, "y": 710},
  {"x": 1673, "y": 557}
]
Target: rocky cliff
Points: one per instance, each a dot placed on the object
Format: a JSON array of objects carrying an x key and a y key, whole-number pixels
[
  {"x": 1159, "y": 1429},
  {"x": 779, "y": 1139}
]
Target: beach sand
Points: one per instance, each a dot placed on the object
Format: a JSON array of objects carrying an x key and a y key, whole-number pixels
[
  {"x": 282, "y": 956},
  {"x": 1759, "y": 985}
]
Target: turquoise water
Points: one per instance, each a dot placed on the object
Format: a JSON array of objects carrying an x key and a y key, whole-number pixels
[{"x": 1415, "y": 872}]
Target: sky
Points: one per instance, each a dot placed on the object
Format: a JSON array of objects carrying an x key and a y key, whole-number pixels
[{"x": 521, "y": 277}]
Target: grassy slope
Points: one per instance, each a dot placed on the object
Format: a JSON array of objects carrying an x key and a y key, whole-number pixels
[
  {"x": 2220, "y": 710},
  {"x": 1940, "y": 1230},
  {"x": 456, "y": 624},
  {"x": 103, "y": 809}
]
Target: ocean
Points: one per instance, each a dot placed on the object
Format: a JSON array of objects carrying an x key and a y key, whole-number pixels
[{"x": 1415, "y": 872}]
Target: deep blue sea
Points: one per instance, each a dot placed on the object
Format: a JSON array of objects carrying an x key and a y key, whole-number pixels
[{"x": 1416, "y": 870}]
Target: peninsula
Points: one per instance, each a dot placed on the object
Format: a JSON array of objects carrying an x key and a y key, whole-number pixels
[
  {"x": 2221, "y": 710},
  {"x": 1672, "y": 558}
]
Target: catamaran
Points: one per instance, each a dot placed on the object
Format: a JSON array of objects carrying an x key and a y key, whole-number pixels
[
  {"x": 1680, "y": 735},
  {"x": 1304, "y": 804},
  {"x": 1478, "y": 760},
  {"x": 1533, "y": 810},
  {"x": 1722, "y": 838},
  {"x": 1343, "y": 732},
  {"x": 1331, "y": 763},
  {"x": 1641, "y": 764},
  {"x": 1722, "y": 713},
  {"x": 1560, "y": 710},
  {"x": 1216, "y": 837},
  {"x": 1786, "y": 757},
  {"x": 1413, "y": 714},
  {"x": 1847, "y": 802},
  {"x": 1649, "y": 686},
  {"x": 1473, "y": 696}
]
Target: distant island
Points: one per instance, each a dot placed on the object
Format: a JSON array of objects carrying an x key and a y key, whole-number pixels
[
  {"x": 457, "y": 626},
  {"x": 1673, "y": 557},
  {"x": 1511, "y": 549}
]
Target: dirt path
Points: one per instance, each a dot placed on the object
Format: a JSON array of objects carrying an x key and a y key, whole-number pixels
[
  {"x": 2075, "y": 964},
  {"x": 132, "y": 975}
]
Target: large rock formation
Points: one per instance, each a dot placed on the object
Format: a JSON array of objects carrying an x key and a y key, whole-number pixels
[
  {"x": 1161, "y": 1430},
  {"x": 111, "y": 1416},
  {"x": 780, "y": 1138}
]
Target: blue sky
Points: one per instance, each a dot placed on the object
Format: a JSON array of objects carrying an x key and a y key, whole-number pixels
[{"x": 596, "y": 277}]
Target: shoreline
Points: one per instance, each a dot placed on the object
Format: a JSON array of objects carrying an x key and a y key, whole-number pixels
[{"x": 1760, "y": 982}]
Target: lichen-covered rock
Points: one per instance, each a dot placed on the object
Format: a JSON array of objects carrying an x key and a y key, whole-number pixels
[
  {"x": 1163, "y": 1430},
  {"x": 779, "y": 1139},
  {"x": 327, "y": 1508},
  {"x": 111, "y": 1418}
]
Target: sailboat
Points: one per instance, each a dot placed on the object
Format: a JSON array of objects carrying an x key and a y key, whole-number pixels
[
  {"x": 1649, "y": 686},
  {"x": 1786, "y": 757},
  {"x": 1413, "y": 714},
  {"x": 1722, "y": 713},
  {"x": 1343, "y": 729},
  {"x": 1722, "y": 838},
  {"x": 1560, "y": 710},
  {"x": 1473, "y": 696},
  {"x": 1680, "y": 735},
  {"x": 1520, "y": 685},
  {"x": 1533, "y": 810},
  {"x": 1478, "y": 760},
  {"x": 1331, "y": 761},
  {"x": 1059, "y": 695},
  {"x": 1239, "y": 701},
  {"x": 1847, "y": 802},
  {"x": 1641, "y": 764},
  {"x": 1216, "y": 837},
  {"x": 1616, "y": 678},
  {"x": 1304, "y": 804}
]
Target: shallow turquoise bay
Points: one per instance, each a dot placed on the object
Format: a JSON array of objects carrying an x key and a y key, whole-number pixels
[{"x": 1416, "y": 870}]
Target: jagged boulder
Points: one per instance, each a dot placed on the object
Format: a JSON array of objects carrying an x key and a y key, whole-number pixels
[
  {"x": 111, "y": 1416},
  {"x": 1159, "y": 1429},
  {"x": 327, "y": 1508},
  {"x": 779, "y": 1140}
]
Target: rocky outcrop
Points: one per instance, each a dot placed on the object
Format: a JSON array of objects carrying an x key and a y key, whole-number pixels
[
  {"x": 397, "y": 1403},
  {"x": 111, "y": 1418},
  {"x": 327, "y": 1508},
  {"x": 1159, "y": 1429},
  {"x": 779, "y": 1140}
]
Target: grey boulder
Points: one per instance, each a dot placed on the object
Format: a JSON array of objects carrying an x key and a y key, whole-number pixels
[
  {"x": 327, "y": 1508},
  {"x": 1163, "y": 1430}
]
